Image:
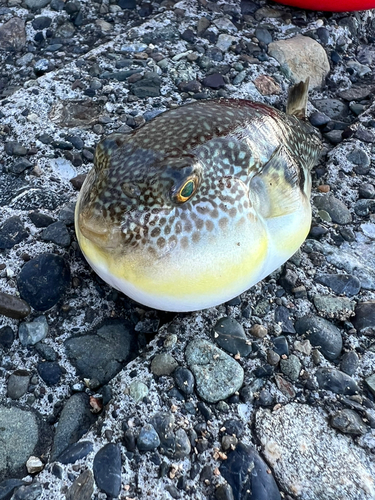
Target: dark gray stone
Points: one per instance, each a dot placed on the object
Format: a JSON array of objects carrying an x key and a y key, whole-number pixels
[
  {"x": 75, "y": 452},
  {"x": 8, "y": 486},
  {"x": 349, "y": 362},
  {"x": 364, "y": 319},
  {"x": 75, "y": 420},
  {"x": 148, "y": 438},
  {"x": 322, "y": 334},
  {"x": 284, "y": 318},
  {"x": 281, "y": 346},
  {"x": 6, "y": 337},
  {"x": 13, "y": 307},
  {"x": 41, "y": 22},
  {"x": 291, "y": 367},
  {"x": 103, "y": 354},
  {"x": 50, "y": 372},
  {"x": 318, "y": 119},
  {"x": 12, "y": 232},
  {"x": 33, "y": 332},
  {"x": 248, "y": 475},
  {"x": 336, "y": 381},
  {"x": 348, "y": 421},
  {"x": 149, "y": 86},
  {"x": 184, "y": 380},
  {"x": 56, "y": 233},
  {"x": 107, "y": 469},
  {"x": 214, "y": 81},
  {"x": 82, "y": 488},
  {"x": 44, "y": 280},
  {"x": 18, "y": 383},
  {"x": 40, "y": 220},
  {"x": 342, "y": 284},
  {"x": 28, "y": 492},
  {"x": 230, "y": 335},
  {"x": 334, "y": 108},
  {"x": 359, "y": 157},
  {"x": 263, "y": 35},
  {"x": 337, "y": 210}
]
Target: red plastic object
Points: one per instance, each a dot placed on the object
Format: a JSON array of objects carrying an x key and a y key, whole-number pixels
[{"x": 331, "y": 5}]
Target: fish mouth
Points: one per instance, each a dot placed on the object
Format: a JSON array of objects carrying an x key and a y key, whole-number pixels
[{"x": 99, "y": 232}]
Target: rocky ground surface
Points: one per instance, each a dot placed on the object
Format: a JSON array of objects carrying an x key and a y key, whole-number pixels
[{"x": 268, "y": 396}]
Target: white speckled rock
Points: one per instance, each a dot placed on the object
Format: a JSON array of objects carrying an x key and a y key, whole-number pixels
[{"x": 310, "y": 459}]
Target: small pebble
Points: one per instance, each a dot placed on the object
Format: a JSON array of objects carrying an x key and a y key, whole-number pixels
[{"x": 148, "y": 438}]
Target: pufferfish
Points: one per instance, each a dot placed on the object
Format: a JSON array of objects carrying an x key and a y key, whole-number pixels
[{"x": 200, "y": 203}]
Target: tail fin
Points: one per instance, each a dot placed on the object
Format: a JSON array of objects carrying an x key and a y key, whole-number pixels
[{"x": 297, "y": 99}]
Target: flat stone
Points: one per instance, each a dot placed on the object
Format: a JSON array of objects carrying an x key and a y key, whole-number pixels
[
  {"x": 18, "y": 384},
  {"x": 75, "y": 452},
  {"x": 56, "y": 233},
  {"x": 301, "y": 57},
  {"x": 36, "y": 4},
  {"x": 298, "y": 443},
  {"x": 349, "y": 362},
  {"x": 291, "y": 367},
  {"x": 356, "y": 92},
  {"x": 8, "y": 486},
  {"x": 248, "y": 475},
  {"x": 322, "y": 334},
  {"x": 364, "y": 319},
  {"x": 82, "y": 488},
  {"x": 41, "y": 22},
  {"x": 13, "y": 307},
  {"x": 342, "y": 284},
  {"x": 107, "y": 469},
  {"x": 149, "y": 86},
  {"x": 40, "y": 220},
  {"x": 138, "y": 390},
  {"x": 33, "y": 332},
  {"x": 348, "y": 421},
  {"x": 214, "y": 81},
  {"x": 13, "y": 34},
  {"x": 28, "y": 492},
  {"x": 333, "y": 108},
  {"x": 337, "y": 210},
  {"x": 20, "y": 435},
  {"x": 50, "y": 372},
  {"x": 284, "y": 318},
  {"x": 225, "y": 41},
  {"x": 217, "y": 375},
  {"x": 102, "y": 355},
  {"x": 163, "y": 364},
  {"x": 359, "y": 157},
  {"x": 75, "y": 113},
  {"x": 267, "y": 85},
  {"x": 230, "y": 335},
  {"x": 44, "y": 280},
  {"x": 184, "y": 380},
  {"x": 12, "y": 232},
  {"x": 340, "y": 308},
  {"x": 74, "y": 421},
  {"x": 336, "y": 381}
]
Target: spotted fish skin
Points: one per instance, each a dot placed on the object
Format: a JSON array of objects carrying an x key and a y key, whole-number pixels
[{"x": 249, "y": 211}]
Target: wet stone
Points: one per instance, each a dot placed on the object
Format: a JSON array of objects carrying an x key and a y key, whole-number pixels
[
  {"x": 13, "y": 307},
  {"x": 74, "y": 421},
  {"x": 163, "y": 424},
  {"x": 18, "y": 383},
  {"x": 148, "y": 438},
  {"x": 33, "y": 332},
  {"x": 364, "y": 319},
  {"x": 322, "y": 334},
  {"x": 12, "y": 232},
  {"x": 184, "y": 380},
  {"x": 50, "y": 372},
  {"x": 342, "y": 284},
  {"x": 56, "y": 233},
  {"x": 349, "y": 362},
  {"x": 82, "y": 488},
  {"x": 107, "y": 469},
  {"x": 337, "y": 210},
  {"x": 230, "y": 335},
  {"x": 214, "y": 81},
  {"x": 217, "y": 375},
  {"x": 348, "y": 421},
  {"x": 163, "y": 364},
  {"x": 224, "y": 492},
  {"x": 291, "y": 367},
  {"x": 336, "y": 381},
  {"x": 366, "y": 190},
  {"x": 247, "y": 474},
  {"x": 44, "y": 280}
]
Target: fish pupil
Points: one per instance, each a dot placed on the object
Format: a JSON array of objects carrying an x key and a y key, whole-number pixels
[{"x": 187, "y": 190}]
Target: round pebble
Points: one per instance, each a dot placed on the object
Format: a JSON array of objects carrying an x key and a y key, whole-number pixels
[
  {"x": 184, "y": 380},
  {"x": 148, "y": 438},
  {"x": 163, "y": 364},
  {"x": 17, "y": 384},
  {"x": 322, "y": 334}
]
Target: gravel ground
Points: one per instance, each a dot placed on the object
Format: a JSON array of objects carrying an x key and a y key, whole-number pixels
[{"x": 268, "y": 396}]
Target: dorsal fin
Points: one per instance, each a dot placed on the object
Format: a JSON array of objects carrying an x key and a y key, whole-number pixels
[{"x": 297, "y": 99}]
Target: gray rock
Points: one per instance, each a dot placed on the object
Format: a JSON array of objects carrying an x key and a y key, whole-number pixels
[
  {"x": 298, "y": 444},
  {"x": 322, "y": 334},
  {"x": 56, "y": 233},
  {"x": 336, "y": 381},
  {"x": 13, "y": 307},
  {"x": 349, "y": 362},
  {"x": 148, "y": 438},
  {"x": 33, "y": 332},
  {"x": 337, "y": 210},
  {"x": 17, "y": 384},
  {"x": 225, "y": 41},
  {"x": 230, "y": 335},
  {"x": 312, "y": 60},
  {"x": 342, "y": 284},
  {"x": 82, "y": 488},
  {"x": 75, "y": 420},
  {"x": 75, "y": 452},
  {"x": 12, "y": 232},
  {"x": 291, "y": 367},
  {"x": 249, "y": 475},
  {"x": 333, "y": 108},
  {"x": 370, "y": 381},
  {"x": 340, "y": 308},
  {"x": 358, "y": 157},
  {"x": 20, "y": 435},
  {"x": 364, "y": 319},
  {"x": 217, "y": 375},
  {"x": 184, "y": 380},
  {"x": 182, "y": 444},
  {"x": 36, "y": 4},
  {"x": 28, "y": 492},
  {"x": 348, "y": 421},
  {"x": 13, "y": 34},
  {"x": 102, "y": 355},
  {"x": 138, "y": 390},
  {"x": 107, "y": 469},
  {"x": 163, "y": 364},
  {"x": 8, "y": 486}
]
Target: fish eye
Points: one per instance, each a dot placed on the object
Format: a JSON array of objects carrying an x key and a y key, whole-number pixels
[{"x": 185, "y": 191}]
